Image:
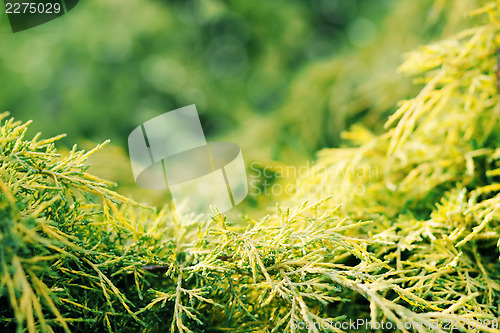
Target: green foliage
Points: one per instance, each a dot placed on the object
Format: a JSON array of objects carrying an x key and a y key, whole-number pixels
[
  {"x": 71, "y": 263},
  {"x": 357, "y": 86},
  {"x": 431, "y": 182},
  {"x": 108, "y": 65},
  {"x": 409, "y": 232},
  {"x": 51, "y": 236}
]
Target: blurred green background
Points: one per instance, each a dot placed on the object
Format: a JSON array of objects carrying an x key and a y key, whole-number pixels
[{"x": 280, "y": 78}]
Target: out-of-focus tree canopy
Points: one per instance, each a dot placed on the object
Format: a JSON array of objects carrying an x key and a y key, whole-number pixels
[{"x": 107, "y": 66}]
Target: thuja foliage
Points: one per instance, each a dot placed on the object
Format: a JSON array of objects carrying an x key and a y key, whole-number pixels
[
  {"x": 359, "y": 85},
  {"x": 54, "y": 249},
  {"x": 76, "y": 256},
  {"x": 402, "y": 228},
  {"x": 431, "y": 183}
]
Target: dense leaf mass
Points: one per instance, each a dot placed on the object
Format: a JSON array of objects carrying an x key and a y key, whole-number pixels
[{"x": 404, "y": 228}]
